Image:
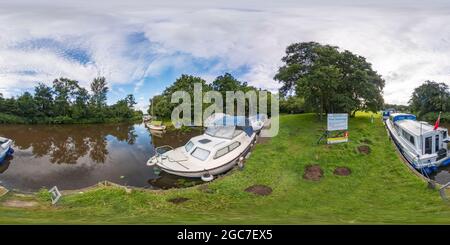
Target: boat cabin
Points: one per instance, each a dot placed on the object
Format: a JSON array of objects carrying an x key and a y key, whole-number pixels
[{"x": 419, "y": 136}]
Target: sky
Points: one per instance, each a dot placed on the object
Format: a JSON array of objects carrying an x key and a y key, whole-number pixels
[{"x": 141, "y": 46}]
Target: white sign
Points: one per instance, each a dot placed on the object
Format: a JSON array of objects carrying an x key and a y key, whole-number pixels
[
  {"x": 337, "y": 121},
  {"x": 55, "y": 194}
]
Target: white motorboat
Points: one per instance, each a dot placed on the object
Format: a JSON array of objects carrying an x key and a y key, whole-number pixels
[
  {"x": 156, "y": 126},
  {"x": 5, "y": 148},
  {"x": 218, "y": 150},
  {"x": 423, "y": 146}
]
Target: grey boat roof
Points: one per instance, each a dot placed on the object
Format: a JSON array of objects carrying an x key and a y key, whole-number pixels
[{"x": 415, "y": 127}]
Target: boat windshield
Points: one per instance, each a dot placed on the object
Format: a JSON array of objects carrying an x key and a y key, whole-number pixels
[
  {"x": 227, "y": 132},
  {"x": 188, "y": 146},
  {"x": 200, "y": 153}
]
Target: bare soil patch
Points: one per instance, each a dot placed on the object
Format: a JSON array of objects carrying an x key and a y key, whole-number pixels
[
  {"x": 364, "y": 149},
  {"x": 313, "y": 172},
  {"x": 19, "y": 204},
  {"x": 342, "y": 171},
  {"x": 260, "y": 190}
]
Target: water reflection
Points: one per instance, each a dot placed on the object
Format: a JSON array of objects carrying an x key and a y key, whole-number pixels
[
  {"x": 77, "y": 156},
  {"x": 68, "y": 143}
]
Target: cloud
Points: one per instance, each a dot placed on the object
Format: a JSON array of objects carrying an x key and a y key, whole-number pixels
[{"x": 407, "y": 42}]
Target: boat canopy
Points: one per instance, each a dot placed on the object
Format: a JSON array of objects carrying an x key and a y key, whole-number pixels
[
  {"x": 400, "y": 116},
  {"x": 226, "y": 126}
]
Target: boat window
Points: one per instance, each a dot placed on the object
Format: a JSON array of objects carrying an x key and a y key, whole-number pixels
[
  {"x": 408, "y": 137},
  {"x": 226, "y": 132},
  {"x": 444, "y": 134},
  {"x": 428, "y": 142},
  {"x": 200, "y": 154},
  {"x": 221, "y": 152},
  {"x": 188, "y": 146},
  {"x": 436, "y": 143},
  {"x": 234, "y": 145}
]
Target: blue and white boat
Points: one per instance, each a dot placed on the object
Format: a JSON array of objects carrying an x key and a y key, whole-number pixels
[
  {"x": 5, "y": 148},
  {"x": 424, "y": 147}
]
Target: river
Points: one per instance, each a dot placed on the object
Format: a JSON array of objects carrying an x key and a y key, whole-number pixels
[{"x": 78, "y": 156}]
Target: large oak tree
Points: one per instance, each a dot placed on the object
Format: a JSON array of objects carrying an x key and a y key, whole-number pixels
[{"x": 329, "y": 79}]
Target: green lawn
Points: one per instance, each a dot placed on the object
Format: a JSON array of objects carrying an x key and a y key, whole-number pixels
[{"x": 381, "y": 189}]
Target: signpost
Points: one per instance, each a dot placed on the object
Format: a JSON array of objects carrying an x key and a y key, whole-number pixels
[{"x": 337, "y": 128}]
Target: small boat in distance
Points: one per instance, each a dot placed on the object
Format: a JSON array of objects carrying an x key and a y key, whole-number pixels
[
  {"x": 156, "y": 126},
  {"x": 219, "y": 149},
  {"x": 146, "y": 118},
  {"x": 5, "y": 148},
  {"x": 423, "y": 146},
  {"x": 387, "y": 113}
]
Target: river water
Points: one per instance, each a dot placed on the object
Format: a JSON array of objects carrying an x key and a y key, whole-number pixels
[{"x": 78, "y": 156}]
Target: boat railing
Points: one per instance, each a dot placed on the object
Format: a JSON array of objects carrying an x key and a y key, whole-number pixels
[{"x": 166, "y": 148}]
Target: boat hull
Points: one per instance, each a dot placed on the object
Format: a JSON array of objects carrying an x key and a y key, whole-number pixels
[{"x": 213, "y": 171}]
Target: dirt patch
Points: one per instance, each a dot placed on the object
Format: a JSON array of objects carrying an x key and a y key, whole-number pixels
[
  {"x": 364, "y": 149},
  {"x": 313, "y": 172},
  {"x": 260, "y": 190},
  {"x": 342, "y": 171},
  {"x": 178, "y": 200},
  {"x": 19, "y": 204}
]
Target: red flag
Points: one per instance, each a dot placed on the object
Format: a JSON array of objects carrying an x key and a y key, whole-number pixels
[{"x": 436, "y": 125}]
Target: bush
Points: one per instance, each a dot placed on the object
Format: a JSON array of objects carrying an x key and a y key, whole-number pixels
[{"x": 432, "y": 117}]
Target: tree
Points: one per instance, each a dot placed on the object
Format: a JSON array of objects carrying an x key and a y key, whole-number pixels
[
  {"x": 226, "y": 83},
  {"x": 80, "y": 107},
  {"x": 162, "y": 106},
  {"x": 430, "y": 97},
  {"x": 43, "y": 97},
  {"x": 330, "y": 80},
  {"x": 99, "y": 92},
  {"x": 65, "y": 92},
  {"x": 26, "y": 105}
]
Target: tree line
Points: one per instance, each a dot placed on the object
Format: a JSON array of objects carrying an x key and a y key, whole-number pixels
[
  {"x": 67, "y": 102},
  {"x": 315, "y": 78},
  {"x": 161, "y": 106}
]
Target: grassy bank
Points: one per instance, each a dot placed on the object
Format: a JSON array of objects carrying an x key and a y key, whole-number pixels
[{"x": 380, "y": 189}]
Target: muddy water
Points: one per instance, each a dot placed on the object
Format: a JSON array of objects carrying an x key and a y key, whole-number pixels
[
  {"x": 78, "y": 156},
  {"x": 442, "y": 176}
]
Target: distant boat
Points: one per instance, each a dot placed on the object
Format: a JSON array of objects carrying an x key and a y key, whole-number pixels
[
  {"x": 156, "y": 126},
  {"x": 5, "y": 148},
  {"x": 423, "y": 147},
  {"x": 146, "y": 118},
  {"x": 218, "y": 150},
  {"x": 387, "y": 113}
]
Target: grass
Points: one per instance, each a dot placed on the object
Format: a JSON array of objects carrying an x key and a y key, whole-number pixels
[{"x": 381, "y": 189}]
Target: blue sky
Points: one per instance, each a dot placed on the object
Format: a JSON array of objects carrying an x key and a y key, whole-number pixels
[{"x": 143, "y": 46}]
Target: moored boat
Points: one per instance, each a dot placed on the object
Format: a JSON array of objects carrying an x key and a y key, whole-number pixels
[
  {"x": 156, "y": 126},
  {"x": 218, "y": 150},
  {"x": 422, "y": 145},
  {"x": 5, "y": 148}
]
